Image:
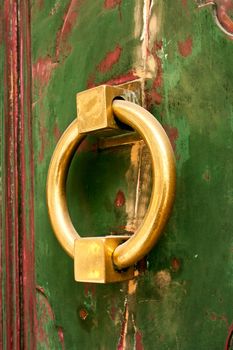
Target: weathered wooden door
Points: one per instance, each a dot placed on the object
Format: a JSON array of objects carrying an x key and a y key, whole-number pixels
[{"x": 52, "y": 49}]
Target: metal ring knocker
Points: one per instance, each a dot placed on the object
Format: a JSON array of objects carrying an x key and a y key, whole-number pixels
[{"x": 109, "y": 255}]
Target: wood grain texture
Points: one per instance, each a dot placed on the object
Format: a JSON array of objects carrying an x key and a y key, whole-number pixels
[
  {"x": 10, "y": 232},
  {"x": 17, "y": 245}
]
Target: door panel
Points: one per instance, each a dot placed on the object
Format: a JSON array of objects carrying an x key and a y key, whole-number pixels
[
  {"x": 182, "y": 299},
  {"x": 183, "y": 296}
]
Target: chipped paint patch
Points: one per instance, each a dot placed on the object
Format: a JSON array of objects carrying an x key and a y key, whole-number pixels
[
  {"x": 42, "y": 69},
  {"x": 185, "y": 47},
  {"x": 47, "y": 333},
  {"x": 55, "y": 8},
  {"x": 179, "y": 138},
  {"x": 61, "y": 337},
  {"x": 69, "y": 21},
  {"x": 172, "y": 133},
  {"x": 123, "y": 78},
  {"x": 184, "y": 3},
  {"x": 146, "y": 63},
  {"x": 163, "y": 279},
  {"x": 110, "y": 59},
  {"x": 83, "y": 314},
  {"x": 154, "y": 95},
  {"x": 175, "y": 264},
  {"x": 128, "y": 323},
  {"x": 138, "y": 341},
  {"x": 111, "y": 4},
  {"x": 122, "y": 341},
  {"x": 158, "y": 47},
  {"x": 69, "y": 18},
  {"x": 120, "y": 199},
  {"x": 56, "y": 132},
  {"x": 89, "y": 289},
  {"x": 132, "y": 286}
]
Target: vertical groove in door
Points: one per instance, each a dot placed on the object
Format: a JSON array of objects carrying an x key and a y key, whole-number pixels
[{"x": 17, "y": 252}]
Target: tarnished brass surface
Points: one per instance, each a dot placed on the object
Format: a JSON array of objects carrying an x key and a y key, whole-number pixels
[
  {"x": 163, "y": 167},
  {"x": 93, "y": 260},
  {"x": 56, "y": 188},
  {"x": 94, "y": 108}
]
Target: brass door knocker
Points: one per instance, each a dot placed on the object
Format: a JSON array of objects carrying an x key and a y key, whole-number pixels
[{"x": 110, "y": 258}]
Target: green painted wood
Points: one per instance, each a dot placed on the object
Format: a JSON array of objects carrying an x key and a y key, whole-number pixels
[
  {"x": 183, "y": 299},
  {"x": 66, "y": 61}
]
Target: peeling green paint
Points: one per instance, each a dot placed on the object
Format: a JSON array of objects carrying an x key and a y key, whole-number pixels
[{"x": 186, "y": 307}]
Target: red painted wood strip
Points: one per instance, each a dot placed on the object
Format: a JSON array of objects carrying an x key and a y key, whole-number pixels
[
  {"x": 18, "y": 236},
  {"x": 11, "y": 296},
  {"x": 26, "y": 179}
]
